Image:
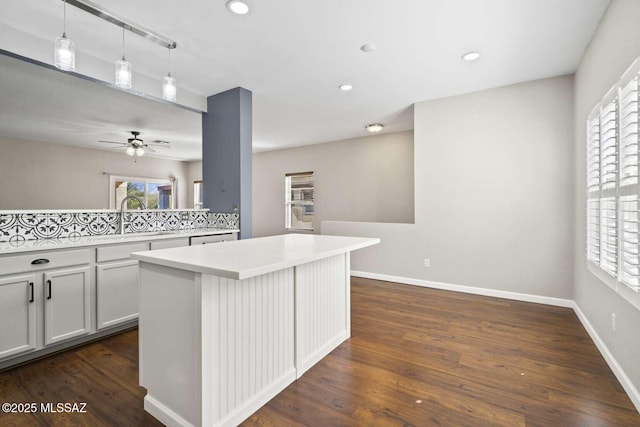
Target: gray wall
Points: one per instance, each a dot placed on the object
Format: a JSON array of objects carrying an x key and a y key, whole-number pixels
[
  {"x": 226, "y": 155},
  {"x": 362, "y": 179},
  {"x": 614, "y": 47},
  {"x": 493, "y": 194},
  {"x": 40, "y": 175}
]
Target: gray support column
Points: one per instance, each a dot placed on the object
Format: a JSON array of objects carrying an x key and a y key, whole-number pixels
[{"x": 226, "y": 155}]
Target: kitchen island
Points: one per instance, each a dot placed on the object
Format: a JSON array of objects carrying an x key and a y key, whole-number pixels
[{"x": 226, "y": 327}]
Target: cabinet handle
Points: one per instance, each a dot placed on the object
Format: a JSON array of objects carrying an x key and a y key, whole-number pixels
[
  {"x": 40, "y": 261},
  {"x": 31, "y": 286},
  {"x": 49, "y": 285}
]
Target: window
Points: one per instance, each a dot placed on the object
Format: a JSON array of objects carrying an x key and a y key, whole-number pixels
[
  {"x": 299, "y": 201},
  {"x": 197, "y": 195},
  {"x": 612, "y": 185},
  {"x": 154, "y": 193}
]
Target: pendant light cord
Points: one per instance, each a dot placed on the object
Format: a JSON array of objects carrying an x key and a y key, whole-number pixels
[
  {"x": 169, "y": 61},
  {"x": 123, "y": 43},
  {"x": 64, "y": 18}
]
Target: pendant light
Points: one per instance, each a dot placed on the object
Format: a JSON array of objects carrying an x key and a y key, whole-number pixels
[
  {"x": 123, "y": 69},
  {"x": 65, "y": 49},
  {"x": 169, "y": 84}
]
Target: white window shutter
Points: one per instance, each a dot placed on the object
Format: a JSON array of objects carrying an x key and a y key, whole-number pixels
[
  {"x": 629, "y": 133},
  {"x": 593, "y": 154},
  {"x": 593, "y": 231},
  {"x": 609, "y": 236},
  {"x": 630, "y": 255},
  {"x": 608, "y": 146}
]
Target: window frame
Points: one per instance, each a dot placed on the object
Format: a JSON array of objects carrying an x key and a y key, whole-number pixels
[
  {"x": 612, "y": 200},
  {"x": 289, "y": 204},
  {"x": 197, "y": 193},
  {"x": 146, "y": 180}
]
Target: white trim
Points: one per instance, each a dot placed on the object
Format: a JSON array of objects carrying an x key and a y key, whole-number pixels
[
  {"x": 246, "y": 409},
  {"x": 558, "y": 302},
  {"x": 626, "y": 383},
  {"x": 163, "y": 413}
]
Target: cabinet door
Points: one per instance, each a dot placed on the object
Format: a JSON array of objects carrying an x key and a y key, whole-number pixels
[
  {"x": 117, "y": 297},
  {"x": 66, "y": 304},
  {"x": 17, "y": 315}
]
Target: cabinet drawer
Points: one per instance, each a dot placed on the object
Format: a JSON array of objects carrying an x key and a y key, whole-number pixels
[
  {"x": 169, "y": 243},
  {"x": 115, "y": 252},
  {"x": 43, "y": 260},
  {"x": 215, "y": 238}
]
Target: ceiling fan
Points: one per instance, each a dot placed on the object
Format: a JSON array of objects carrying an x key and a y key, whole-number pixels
[{"x": 137, "y": 147}]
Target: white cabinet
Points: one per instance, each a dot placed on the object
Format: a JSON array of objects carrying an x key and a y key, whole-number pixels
[
  {"x": 117, "y": 292},
  {"x": 169, "y": 243},
  {"x": 117, "y": 280},
  {"x": 215, "y": 238},
  {"x": 17, "y": 315},
  {"x": 67, "y": 304},
  {"x": 117, "y": 284},
  {"x": 51, "y": 299},
  {"x": 45, "y": 298}
]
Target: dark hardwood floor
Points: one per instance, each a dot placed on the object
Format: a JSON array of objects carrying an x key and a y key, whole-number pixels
[
  {"x": 425, "y": 357},
  {"x": 417, "y": 357}
]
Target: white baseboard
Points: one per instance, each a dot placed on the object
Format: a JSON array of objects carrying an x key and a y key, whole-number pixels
[
  {"x": 559, "y": 302},
  {"x": 163, "y": 414},
  {"x": 626, "y": 383}
]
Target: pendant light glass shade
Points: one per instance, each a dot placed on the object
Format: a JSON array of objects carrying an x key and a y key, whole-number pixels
[
  {"x": 123, "y": 73},
  {"x": 64, "y": 50},
  {"x": 65, "y": 53},
  {"x": 131, "y": 151},
  {"x": 140, "y": 152},
  {"x": 169, "y": 88}
]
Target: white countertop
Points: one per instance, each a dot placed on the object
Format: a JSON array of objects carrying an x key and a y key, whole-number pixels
[
  {"x": 242, "y": 259},
  {"x": 72, "y": 242}
]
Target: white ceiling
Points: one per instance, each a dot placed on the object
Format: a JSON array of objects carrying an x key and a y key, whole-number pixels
[{"x": 292, "y": 55}]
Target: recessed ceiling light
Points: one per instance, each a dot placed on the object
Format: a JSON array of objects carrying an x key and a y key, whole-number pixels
[
  {"x": 471, "y": 56},
  {"x": 345, "y": 87},
  {"x": 368, "y": 47},
  {"x": 374, "y": 127},
  {"x": 238, "y": 7}
]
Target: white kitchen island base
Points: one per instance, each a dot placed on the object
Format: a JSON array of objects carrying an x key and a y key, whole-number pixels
[{"x": 224, "y": 328}]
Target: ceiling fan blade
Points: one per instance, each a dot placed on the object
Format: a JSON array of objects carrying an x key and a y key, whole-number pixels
[
  {"x": 149, "y": 149},
  {"x": 159, "y": 141},
  {"x": 113, "y": 142}
]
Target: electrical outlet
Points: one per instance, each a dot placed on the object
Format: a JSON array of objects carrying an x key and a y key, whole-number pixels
[
  {"x": 427, "y": 263},
  {"x": 613, "y": 322}
]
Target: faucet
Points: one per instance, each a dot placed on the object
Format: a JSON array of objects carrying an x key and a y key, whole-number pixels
[{"x": 124, "y": 201}]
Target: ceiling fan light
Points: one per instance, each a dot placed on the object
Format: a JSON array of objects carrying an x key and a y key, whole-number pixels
[
  {"x": 65, "y": 53},
  {"x": 123, "y": 73},
  {"x": 139, "y": 151},
  {"x": 131, "y": 151},
  {"x": 169, "y": 90}
]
